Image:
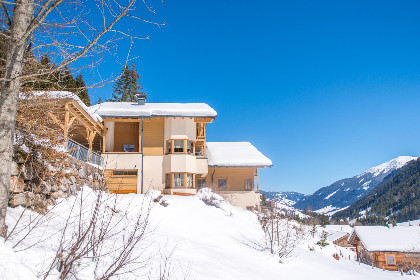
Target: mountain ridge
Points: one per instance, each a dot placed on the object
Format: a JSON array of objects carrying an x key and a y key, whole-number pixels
[
  {"x": 397, "y": 199},
  {"x": 344, "y": 192}
]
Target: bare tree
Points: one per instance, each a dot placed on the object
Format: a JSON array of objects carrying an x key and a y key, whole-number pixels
[
  {"x": 70, "y": 31},
  {"x": 282, "y": 234}
]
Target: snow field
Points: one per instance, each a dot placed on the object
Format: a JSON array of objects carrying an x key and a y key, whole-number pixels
[{"x": 203, "y": 241}]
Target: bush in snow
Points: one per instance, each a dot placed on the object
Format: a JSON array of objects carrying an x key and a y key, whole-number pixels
[
  {"x": 210, "y": 198},
  {"x": 282, "y": 234},
  {"x": 323, "y": 241},
  {"x": 94, "y": 235}
]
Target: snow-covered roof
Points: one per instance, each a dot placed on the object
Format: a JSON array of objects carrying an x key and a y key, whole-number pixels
[
  {"x": 235, "y": 154},
  {"x": 133, "y": 110},
  {"x": 63, "y": 95},
  {"x": 414, "y": 223},
  {"x": 396, "y": 239},
  {"x": 341, "y": 228},
  {"x": 335, "y": 235}
]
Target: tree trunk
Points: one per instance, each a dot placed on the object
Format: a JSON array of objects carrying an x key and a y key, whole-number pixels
[{"x": 22, "y": 16}]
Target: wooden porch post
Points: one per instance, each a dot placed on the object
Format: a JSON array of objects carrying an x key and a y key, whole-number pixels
[
  {"x": 103, "y": 138},
  {"x": 184, "y": 145},
  {"x": 258, "y": 181},
  {"x": 66, "y": 121},
  {"x": 139, "y": 136},
  {"x": 90, "y": 135}
]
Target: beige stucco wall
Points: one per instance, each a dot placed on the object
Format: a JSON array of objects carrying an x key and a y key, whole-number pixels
[
  {"x": 202, "y": 166},
  {"x": 153, "y": 174},
  {"x": 241, "y": 199},
  {"x": 180, "y": 128},
  {"x": 179, "y": 163}
]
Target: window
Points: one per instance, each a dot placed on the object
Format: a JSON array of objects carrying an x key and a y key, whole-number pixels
[
  {"x": 178, "y": 146},
  {"x": 190, "y": 180},
  {"x": 125, "y": 172},
  {"x": 199, "y": 150},
  {"x": 168, "y": 180},
  {"x": 201, "y": 183},
  {"x": 178, "y": 179},
  {"x": 221, "y": 184},
  {"x": 190, "y": 147},
  {"x": 168, "y": 146},
  {"x": 248, "y": 184},
  {"x": 390, "y": 260},
  {"x": 128, "y": 148}
]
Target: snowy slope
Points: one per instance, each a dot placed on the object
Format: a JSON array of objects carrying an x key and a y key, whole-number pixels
[
  {"x": 344, "y": 192},
  {"x": 207, "y": 242}
]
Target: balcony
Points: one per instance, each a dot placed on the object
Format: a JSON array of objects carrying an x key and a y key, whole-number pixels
[{"x": 82, "y": 153}]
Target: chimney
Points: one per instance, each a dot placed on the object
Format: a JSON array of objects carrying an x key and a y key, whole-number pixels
[{"x": 141, "y": 98}]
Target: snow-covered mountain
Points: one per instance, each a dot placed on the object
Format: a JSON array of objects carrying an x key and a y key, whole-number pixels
[
  {"x": 287, "y": 199},
  {"x": 343, "y": 193}
]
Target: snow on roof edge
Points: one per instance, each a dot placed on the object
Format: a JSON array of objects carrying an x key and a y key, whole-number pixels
[
  {"x": 395, "y": 239},
  {"x": 133, "y": 110},
  {"x": 235, "y": 154},
  {"x": 63, "y": 95}
]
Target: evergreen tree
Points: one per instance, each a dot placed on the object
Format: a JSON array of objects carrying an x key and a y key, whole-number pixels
[
  {"x": 127, "y": 86},
  {"x": 324, "y": 220},
  {"x": 67, "y": 81},
  {"x": 99, "y": 100},
  {"x": 313, "y": 229},
  {"x": 46, "y": 81},
  {"x": 81, "y": 90}
]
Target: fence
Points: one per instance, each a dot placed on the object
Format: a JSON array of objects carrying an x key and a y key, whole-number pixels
[{"x": 82, "y": 153}]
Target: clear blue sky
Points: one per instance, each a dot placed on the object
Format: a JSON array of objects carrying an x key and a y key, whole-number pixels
[{"x": 325, "y": 89}]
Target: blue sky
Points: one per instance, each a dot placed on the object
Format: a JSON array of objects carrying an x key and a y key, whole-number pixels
[{"x": 325, "y": 89}]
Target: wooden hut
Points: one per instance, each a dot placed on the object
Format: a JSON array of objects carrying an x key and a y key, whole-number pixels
[{"x": 396, "y": 248}]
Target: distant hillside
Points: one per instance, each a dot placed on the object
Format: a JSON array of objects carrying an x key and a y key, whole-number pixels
[
  {"x": 283, "y": 198},
  {"x": 397, "y": 197},
  {"x": 345, "y": 192}
]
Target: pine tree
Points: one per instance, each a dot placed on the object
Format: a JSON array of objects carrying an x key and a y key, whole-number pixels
[
  {"x": 127, "y": 86},
  {"x": 67, "y": 81},
  {"x": 324, "y": 220},
  {"x": 81, "y": 90}
]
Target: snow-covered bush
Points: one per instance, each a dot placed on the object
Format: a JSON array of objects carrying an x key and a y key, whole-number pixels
[
  {"x": 94, "y": 235},
  {"x": 211, "y": 198}
]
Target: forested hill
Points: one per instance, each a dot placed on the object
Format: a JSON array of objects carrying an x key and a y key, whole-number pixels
[
  {"x": 397, "y": 197},
  {"x": 345, "y": 192}
]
